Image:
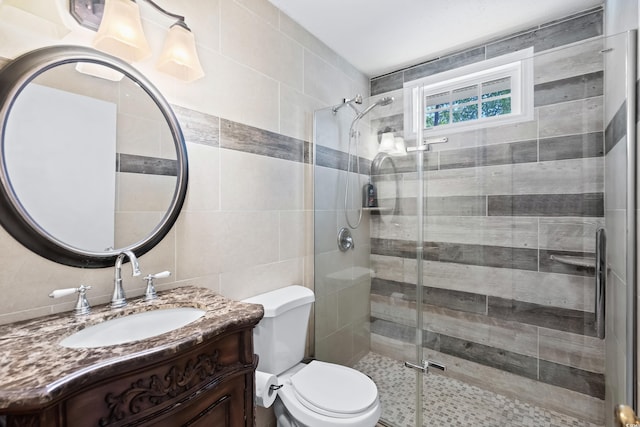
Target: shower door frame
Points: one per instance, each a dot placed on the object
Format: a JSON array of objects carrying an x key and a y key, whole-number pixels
[
  {"x": 631, "y": 59},
  {"x": 632, "y": 216}
]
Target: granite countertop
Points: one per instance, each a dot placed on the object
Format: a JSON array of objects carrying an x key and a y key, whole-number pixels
[{"x": 35, "y": 369}]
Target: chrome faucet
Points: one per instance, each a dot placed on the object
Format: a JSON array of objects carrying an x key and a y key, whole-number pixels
[{"x": 119, "y": 299}]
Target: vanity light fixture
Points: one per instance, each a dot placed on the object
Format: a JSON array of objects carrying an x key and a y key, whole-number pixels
[
  {"x": 179, "y": 57},
  {"x": 387, "y": 143},
  {"x": 393, "y": 145},
  {"x": 120, "y": 34}
]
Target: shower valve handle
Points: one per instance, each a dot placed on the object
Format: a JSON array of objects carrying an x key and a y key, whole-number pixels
[{"x": 345, "y": 240}]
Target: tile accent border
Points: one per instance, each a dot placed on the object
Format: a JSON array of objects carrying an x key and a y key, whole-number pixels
[
  {"x": 197, "y": 127},
  {"x": 207, "y": 129},
  {"x": 249, "y": 139},
  {"x": 336, "y": 159},
  {"x": 541, "y": 205},
  {"x": 569, "y": 89},
  {"x": 146, "y": 165},
  {"x": 582, "y": 204},
  {"x": 560, "y": 319},
  {"x": 571, "y": 146},
  {"x": 483, "y": 255},
  {"x": 455, "y": 300}
]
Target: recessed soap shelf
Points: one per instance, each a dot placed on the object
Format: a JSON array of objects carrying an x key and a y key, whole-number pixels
[
  {"x": 377, "y": 209},
  {"x": 586, "y": 262}
]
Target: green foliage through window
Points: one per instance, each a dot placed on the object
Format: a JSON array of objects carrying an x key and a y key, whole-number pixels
[{"x": 472, "y": 102}]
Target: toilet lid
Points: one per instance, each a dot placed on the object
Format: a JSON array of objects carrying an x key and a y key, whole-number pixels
[{"x": 334, "y": 390}]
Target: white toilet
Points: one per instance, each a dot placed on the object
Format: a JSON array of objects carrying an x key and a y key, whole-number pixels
[{"x": 317, "y": 394}]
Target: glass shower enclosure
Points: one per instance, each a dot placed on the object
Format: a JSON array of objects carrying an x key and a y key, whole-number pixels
[{"x": 469, "y": 291}]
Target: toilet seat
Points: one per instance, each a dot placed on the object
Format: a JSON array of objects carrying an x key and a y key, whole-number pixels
[
  {"x": 333, "y": 390},
  {"x": 309, "y": 409}
]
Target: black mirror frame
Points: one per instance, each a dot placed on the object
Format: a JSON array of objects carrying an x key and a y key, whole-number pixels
[{"x": 15, "y": 219}]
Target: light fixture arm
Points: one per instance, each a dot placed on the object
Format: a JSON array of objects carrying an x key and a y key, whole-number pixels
[{"x": 181, "y": 19}]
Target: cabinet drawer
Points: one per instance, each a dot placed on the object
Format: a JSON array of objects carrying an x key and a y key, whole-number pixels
[
  {"x": 223, "y": 406},
  {"x": 138, "y": 395}
]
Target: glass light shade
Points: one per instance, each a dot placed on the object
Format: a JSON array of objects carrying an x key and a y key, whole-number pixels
[
  {"x": 400, "y": 147},
  {"x": 98, "y": 70},
  {"x": 387, "y": 143},
  {"x": 120, "y": 33},
  {"x": 179, "y": 57}
]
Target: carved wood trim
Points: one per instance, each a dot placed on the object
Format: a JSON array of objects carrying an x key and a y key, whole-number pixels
[{"x": 153, "y": 390}]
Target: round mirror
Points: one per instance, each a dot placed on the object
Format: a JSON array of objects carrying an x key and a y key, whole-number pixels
[{"x": 93, "y": 161}]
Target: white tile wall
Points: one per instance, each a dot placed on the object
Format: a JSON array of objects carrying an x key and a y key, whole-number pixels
[
  {"x": 203, "y": 193},
  {"x": 322, "y": 80},
  {"x": 250, "y": 40},
  {"x": 296, "y": 113},
  {"x": 264, "y": 183}
]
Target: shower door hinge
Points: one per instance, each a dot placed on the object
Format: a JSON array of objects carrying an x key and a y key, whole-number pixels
[{"x": 426, "y": 364}]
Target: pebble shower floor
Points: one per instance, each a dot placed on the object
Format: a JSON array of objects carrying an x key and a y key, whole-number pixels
[{"x": 449, "y": 402}]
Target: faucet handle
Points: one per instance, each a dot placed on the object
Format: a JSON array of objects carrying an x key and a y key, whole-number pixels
[
  {"x": 150, "y": 293},
  {"x": 62, "y": 292},
  {"x": 82, "y": 304}
]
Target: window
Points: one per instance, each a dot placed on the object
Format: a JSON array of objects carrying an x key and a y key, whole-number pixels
[{"x": 489, "y": 93}]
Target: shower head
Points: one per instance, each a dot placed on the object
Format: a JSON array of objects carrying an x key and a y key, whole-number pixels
[
  {"x": 382, "y": 101},
  {"x": 385, "y": 101}
]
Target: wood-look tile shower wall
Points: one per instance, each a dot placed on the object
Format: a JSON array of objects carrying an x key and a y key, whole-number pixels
[{"x": 499, "y": 202}]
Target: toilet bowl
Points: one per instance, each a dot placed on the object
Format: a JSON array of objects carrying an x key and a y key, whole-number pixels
[
  {"x": 324, "y": 394},
  {"x": 317, "y": 394}
]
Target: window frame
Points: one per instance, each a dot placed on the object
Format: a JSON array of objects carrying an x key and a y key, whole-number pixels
[{"x": 518, "y": 66}]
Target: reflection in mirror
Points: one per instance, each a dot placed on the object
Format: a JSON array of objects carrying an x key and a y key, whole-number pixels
[
  {"x": 92, "y": 160},
  {"x": 385, "y": 180}
]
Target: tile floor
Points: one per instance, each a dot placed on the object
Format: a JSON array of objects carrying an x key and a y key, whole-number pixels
[{"x": 449, "y": 402}]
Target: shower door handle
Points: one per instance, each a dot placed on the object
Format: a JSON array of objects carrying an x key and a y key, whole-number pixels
[
  {"x": 426, "y": 364},
  {"x": 601, "y": 281},
  {"x": 601, "y": 270},
  {"x": 426, "y": 143}
]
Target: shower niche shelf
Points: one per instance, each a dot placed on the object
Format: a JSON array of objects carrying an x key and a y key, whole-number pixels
[
  {"x": 585, "y": 262},
  {"x": 379, "y": 209}
]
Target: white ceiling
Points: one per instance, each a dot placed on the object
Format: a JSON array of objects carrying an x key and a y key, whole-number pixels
[{"x": 380, "y": 36}]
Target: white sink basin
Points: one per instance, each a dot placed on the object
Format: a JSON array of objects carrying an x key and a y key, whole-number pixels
[{"x": 133, "y": 327}]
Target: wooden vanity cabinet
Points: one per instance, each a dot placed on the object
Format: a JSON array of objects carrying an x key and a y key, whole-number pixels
[{"x": 210, "y": 384}]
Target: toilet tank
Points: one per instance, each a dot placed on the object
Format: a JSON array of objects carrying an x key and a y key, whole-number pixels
[{"x": 279, "y": 339}]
